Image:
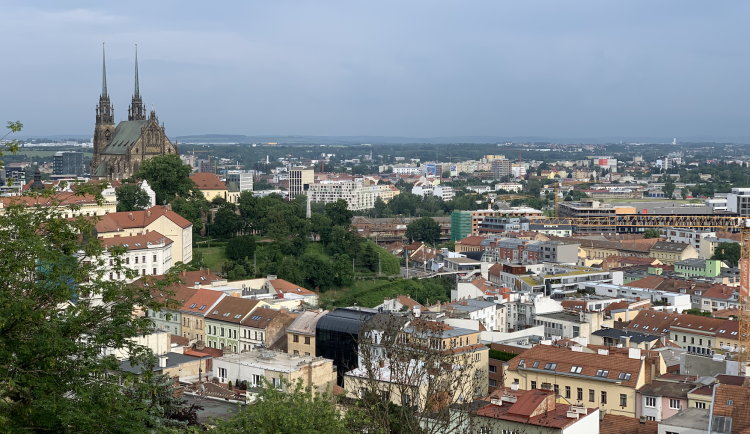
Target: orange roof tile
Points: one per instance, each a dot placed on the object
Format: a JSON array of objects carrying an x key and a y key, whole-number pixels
[
  {"x": 136, "y": 242},
  {"x": 208, "y": 181},
  {"x": 201, "y": 301},
  {"x": 617, "y": 424},
  {"x": 141, "y": 219},
  {"x": 232, "y": 309},
  {"x": 283, "y": 287}
]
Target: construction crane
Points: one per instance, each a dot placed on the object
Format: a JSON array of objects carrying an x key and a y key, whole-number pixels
[{"x": 728, "y": 223}]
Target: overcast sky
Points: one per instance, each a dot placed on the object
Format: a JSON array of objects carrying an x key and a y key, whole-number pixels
[{"x": 395, "y": 68}]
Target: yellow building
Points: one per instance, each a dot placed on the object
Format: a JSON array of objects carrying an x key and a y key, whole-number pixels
[
  {"x": 601, "y": 378},
  {"x": 301, "y": 334},
  {"x": 669, "y": 253},
  {"x": 212, "y": 187},
  {"x": 63, "y": 203}
]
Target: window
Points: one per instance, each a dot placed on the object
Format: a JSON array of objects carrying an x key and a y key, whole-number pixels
[
  {"x": 557, "y": 389},
  {"x": 650, "y": 418},
  {"x": 277, "y": 384},
  {"x": 222, "y": 373},
  {"x": 550, "y": 366},
  {"x": 295, "y": 338},
  {"x": 624, "y": 376},
  {"x": 154, "y": 271},
  {"x": 730, "y": 403},
  {"x": 533, "y": 384},
  {"x": 222, "y": 331},
  {"x": 567, "y": 392},
  {"x": 493, "y": 383},
  {"x": 477, "y": 357},
  {"x": 623, "y": 400},
  {"x": 576, "y": 369},
  {"x": 692, "y": 340},
  {"x": 684, "y": 338},
  {"x": 580, "y": 394},
  {"x": 604, "y": 397},
  {"x": 493, "y": 369},
  {"x": 485, "y": 430},
  {"x": 602, "y": 373},
  {"x": 592, "y": 395},
  {"x": 674, "y": 404},
  {"x": 536, "y": 364},
  {"x": 153, "y": 260},
  {"x": 307, "y": 354},
  {"x": 650, "y": 402},
  {"x": 700, "y": 405},
  {"x": 257, "y": 380},
  {"x": 136, "y": 259}
]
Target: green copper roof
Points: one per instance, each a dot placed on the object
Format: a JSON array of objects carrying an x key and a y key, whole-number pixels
[
  {"x": 101, "y": 170},
  {"x": 126, "y": 134},
  {"x": 137, "y": 92}
]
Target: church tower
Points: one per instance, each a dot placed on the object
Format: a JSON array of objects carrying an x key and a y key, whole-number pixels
[
  {"x": 135, "y": 111},
  {"x": 105, "y": 118}
]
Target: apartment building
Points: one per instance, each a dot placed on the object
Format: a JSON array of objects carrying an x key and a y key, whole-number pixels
[
  {"x": 687, "y": 235},
  {"x": 300, "y": 179},
  {"x": 738, "y": 201},
  {"x": 300, "y": 334},
  {"x": 357, "y": 196},
  {"x": 671, "y": 253},
  {"x": 500, "y": 168},
  {"x": 243, "y": 179},
  {"x": 169, "y": 317},
  {"x": 663, "y": 398},
  {"x": 517, "y": 251},
  {"x": 223, "y": 322},
  {"x": 607, "y": 379},
  {"x": 264, "y": 327},
  {"x": 193, "y": 313},
  {"x": 148, "y": 253}
]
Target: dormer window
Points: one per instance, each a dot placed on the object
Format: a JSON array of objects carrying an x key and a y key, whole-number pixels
[{"x": 192, "y": 306}]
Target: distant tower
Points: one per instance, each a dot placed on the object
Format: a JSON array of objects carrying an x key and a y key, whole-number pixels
[
  {"x": 674, "y": 141},
  {"x": 309, "y": 211},
  {"x": 105, "y": 119},
  {"x": 266, "y": 159},
  {"x": 135, "y": 111}
]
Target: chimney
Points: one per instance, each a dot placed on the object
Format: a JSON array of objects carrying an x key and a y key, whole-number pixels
[
  {"x": 163, "y": 361},
  {"x": 148, "y": 213},
  {"x": 130, "y": 216}
]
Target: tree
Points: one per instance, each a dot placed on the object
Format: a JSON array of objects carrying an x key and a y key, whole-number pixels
[
  {"x": 294, "y": 410},
  {"x": 339, "y": 213},
  {"x": 730, "y": 252},
  {"x": 131, "y": 197},
  {"x": 168, "y": 177},
  {"x": 226, "y": 221},
  {"x": 59, "y": 312},
  {"x": 439, "y": 384},
  {"x": 696, "y": 311},
  {"x": 239, "y": 248},
  {"x": 425, "y": 229},
  {"x": 668, "y": 188},
  {"x": 192, "y": 210},
  {"x": 651, "y": 233},
  {"x": 342, "y": 268}
]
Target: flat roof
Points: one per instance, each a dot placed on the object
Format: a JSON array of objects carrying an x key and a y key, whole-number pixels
[
  {"x": 463, "y": 260},
  {"x": 270, "y": 360},
  {"x": 562, "y": 316},
  {"x": 691, "y": 417}
]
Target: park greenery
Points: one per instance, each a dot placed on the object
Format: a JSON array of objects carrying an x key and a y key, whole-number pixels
[{"x": 728, "y": 251}]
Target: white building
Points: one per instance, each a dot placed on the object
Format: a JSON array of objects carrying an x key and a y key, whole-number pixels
[
  {"x": 407, "y": 170},
  {"x": 508, "y": 186},
  {"x": 738, "y": 201},
  {"x": 687, "y": 236},
  {"x": 357, "y": 196},
  {"x": 443, "y": 192},
  {"x": 243, "y": 179},
  {"x": 674, "y": 301},
  {"x": 149, "y": 253}
]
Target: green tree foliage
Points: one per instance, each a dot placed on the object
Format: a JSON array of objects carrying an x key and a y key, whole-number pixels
[
  {"x": 192, "y": 210},
  {"x": 651, "y": 233},
  {"x": 292, "y": 411},
  {"x": 731, "y": 252},
  {"x": 501, "y": 355},
  {"x": 424, "y": 291},
  {"x": 240, "y": 248},
  {"x": 669, "y": 187},
  {"x": 168, "y": 177},
  {"x": 227, "y": 222},
  {"x": 53, "y": 374},
  {"x": 339, "y": 213},
  {"x": 696, "y": 311},
  {"x": 425, "y": 229},
  {"x": 131, "y": 197}
]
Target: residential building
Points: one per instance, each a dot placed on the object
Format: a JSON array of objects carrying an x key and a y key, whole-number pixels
[
  {"x": 699, "y": 267},
  {"x": 687, "y": 235},
  {"x": 243, "y": 179},
  {"x": 86, "y": 205},
  {"x": 465, "y": 223},
  {"x": 407, "y": 170},
  {"x": 605, "y": 379},
  {"x": 708, "y": 246},
  {"x": 554, "y": 229},
  {"x": 615, "y": 424},
  {"x": 470, "y": 244},
  {"x": 357, "y": 196},
  {"x": 662, "y": 399},
  {"x": 193, "y": 313},
  {"x": 264, "y": 327},
  {"x": 671, "y": 253},
  {"x": 474, "y": 309},
  {"x": 562, "y": 325},
  {"x": 223, "y": 322},
  {"x": 169, "y": 317},
  {"x": 738, "y": 201},
  {"x": 512, "y": 187},
  {"x": 517, "y": 251},
  {"x": 500, "y": 168},
  {"x": 174, "y": 364},
  {"x": 394, "y": 228},
  {"x": 256, "y": 365},
  {"x": 284, "y": 289},
  {"x": 690, "y": 421},
  {"x": 558, "y": 279},
  {"x": 158, "y": 218},
  {"x": 534, "y": 410},
  {"x": 444, "y": 192},
  {"x": 148, "y": 253},
  {"x": 696, "y": 334},
  {"x": 300, "y": 179},
  {"x": 68, "y": 163},
  {"x": 301, "y": 333},
  {"x": 212, "y": 187}
]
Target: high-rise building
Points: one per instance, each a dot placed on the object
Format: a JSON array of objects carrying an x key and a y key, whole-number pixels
[
  {"x": 738, "y": 201},
  {"x": 300, "y": 179},
  {"x": 68, "y": 163},
  {"x": 500, "y": 168},
  {"x": 243, "y": 179}
]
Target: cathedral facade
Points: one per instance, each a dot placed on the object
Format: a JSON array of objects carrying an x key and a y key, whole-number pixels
[{"x": 120, "y": 150}]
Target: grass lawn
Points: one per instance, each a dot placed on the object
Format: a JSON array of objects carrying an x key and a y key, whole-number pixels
[
  {"x": 329, "y": 297},
  {"x": 213, "y": 256}
]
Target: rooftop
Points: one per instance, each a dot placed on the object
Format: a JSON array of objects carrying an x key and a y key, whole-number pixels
[
  {"x": 691, "y": 417},
  {"x": 306, "y": 322},
  {"x": 616, "y": 424},
  {"x": 534, "y": 407},
  {"x": 270, "y": 360},
  {"x": 562, "y": 316}
]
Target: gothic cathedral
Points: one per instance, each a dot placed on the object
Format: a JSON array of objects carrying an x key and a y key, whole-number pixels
[{"x": 119, "y": 151}]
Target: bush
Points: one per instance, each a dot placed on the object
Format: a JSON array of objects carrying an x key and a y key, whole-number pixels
[{"x": 501, "y": 355}]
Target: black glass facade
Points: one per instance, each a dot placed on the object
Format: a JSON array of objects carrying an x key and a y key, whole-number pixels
[{"x": 336, "y": 337}]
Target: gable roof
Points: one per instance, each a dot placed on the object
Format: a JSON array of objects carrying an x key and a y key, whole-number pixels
[
  {"x": 202, "y": 301},
  {"x": 281, "y": 286},
  {"x": 472, "y": 241},
  {"x": 232, "y": 309},
  {"x": 617, "y": 424},
  {"x": 667, "y": 246},
  {"x": 260, "y": 318},
  {"x": 306, "y": 322},
  {"x": 698, "y": 324},
  {"x": 653, "y": 321},
  {"x": 738, "y": 410},
  {"x": 115, "y": 221},
  {"x": 207, "y": 181},
  {"x": 204, "y": 276},
  {"x": 136, "y": 242},
  {"x": 590, "y": 363}
]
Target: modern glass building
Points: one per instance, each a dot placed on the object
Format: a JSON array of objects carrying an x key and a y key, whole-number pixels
[
  {"x": 460, "y": 225},
  {"x": 337, "y": 335}
]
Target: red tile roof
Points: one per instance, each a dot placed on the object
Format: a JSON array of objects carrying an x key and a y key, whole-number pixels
[
  {"x": 139, "y": 219},
  {"x": 136, "y": 242},
  {"x": 534, "y": 407},
  {"x": 472, "y": 241},
  {"x": 616, "y": 424},
  {"x": 653, "y": 322},
  {"x": 208, "y": 181},
  {"x": 232, "y": 309},
  {"x": 260, "y": 318},
  {"x": 283, "y": 287},
  {"x": 201, "y": 301}
]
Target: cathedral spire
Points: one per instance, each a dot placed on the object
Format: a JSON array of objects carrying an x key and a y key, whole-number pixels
[
  {"x": 104, "y": 73},
  {"x": 136, "y": 111},
  {"x": 137, "y": 92}
]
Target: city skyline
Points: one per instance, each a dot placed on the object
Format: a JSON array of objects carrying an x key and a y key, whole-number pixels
[{"x": 585, "y": 69}]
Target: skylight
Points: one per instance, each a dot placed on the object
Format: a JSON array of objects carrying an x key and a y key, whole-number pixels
[
  {"x": 237, "y": 316},
  {"x": 216, "y": 312},
  {"x": 624, "y": 376},
  {"x": 602, "y": 373},
  {"x": 203, "y": 278},
  {"x": 256, "y": 318},
  {"x": 536, "y": 364},
  {"x": 576, "y": 369},
  {"x": 192, "y": 306},
  {"x": 202, "y": 307},
  {"x": 227, "y": 314},
  {"x": 550, "y": 366}
]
